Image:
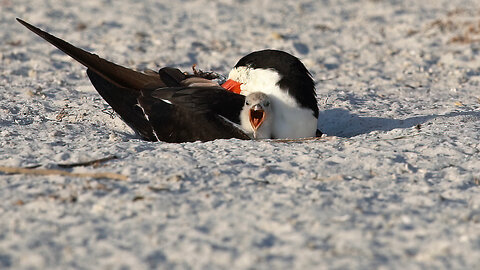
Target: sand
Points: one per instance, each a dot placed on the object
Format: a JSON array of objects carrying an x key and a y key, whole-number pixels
[{"x": 394, "y": 185}]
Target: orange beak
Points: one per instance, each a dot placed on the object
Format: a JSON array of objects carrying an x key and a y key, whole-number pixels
[{"x": 232, "y": 86}]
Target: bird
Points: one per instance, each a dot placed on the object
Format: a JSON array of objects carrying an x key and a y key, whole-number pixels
[
  {"x": 256, "y": 116},
  {"x": 290, "y": 86},
  {"x": 175, "y": 106}
]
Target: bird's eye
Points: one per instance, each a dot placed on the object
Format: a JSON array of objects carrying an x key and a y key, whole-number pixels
[
  {"x": 247, "y": 103},
  {"x": 267, "y": 104}
]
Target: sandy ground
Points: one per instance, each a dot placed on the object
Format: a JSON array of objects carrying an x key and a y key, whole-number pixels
[{"x": 396, "y": 185}]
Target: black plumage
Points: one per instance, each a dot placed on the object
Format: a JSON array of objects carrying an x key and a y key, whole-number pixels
[{"x": 159, "y": 106}]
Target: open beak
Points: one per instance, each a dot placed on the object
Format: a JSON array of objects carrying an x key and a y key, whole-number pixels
[
  {"x": 257, "y": 115},
  {"x": 232, "y": 86}
]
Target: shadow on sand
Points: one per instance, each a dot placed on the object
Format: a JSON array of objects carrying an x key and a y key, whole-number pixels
[{"x": 342, "y": 123}]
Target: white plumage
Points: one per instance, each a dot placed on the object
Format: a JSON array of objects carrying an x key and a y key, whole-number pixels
[{"x": 290, "y": 119}]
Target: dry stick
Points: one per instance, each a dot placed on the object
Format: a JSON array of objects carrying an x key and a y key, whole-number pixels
[
  {"x": 87, "y": 163},
  {"x": 17, "y": 170},
  {"x": 308, "y": 139}
]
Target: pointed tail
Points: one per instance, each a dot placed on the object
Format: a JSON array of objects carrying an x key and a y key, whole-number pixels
[{"x": 115, "y": 74}]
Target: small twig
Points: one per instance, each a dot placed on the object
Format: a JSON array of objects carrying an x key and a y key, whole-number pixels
[
  {"x": 210, "y": 75},
  {"x": 158, "y": 189},
  {"x": 33, "y": 166},
  {"x": 403, "y": 137},
  {"x": 94, "y": 163},
  {"x": 323, "y": 138},
  {"x": 259, "y": 182},
  {"x": 110, "y": 112},
  {"x": 262, "y": 182},
  {"x": 63, "y": 113},
  {"x": 17, "y": 170}
]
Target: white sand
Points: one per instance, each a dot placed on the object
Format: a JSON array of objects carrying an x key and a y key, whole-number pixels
[{"x": 378, "y": 194}]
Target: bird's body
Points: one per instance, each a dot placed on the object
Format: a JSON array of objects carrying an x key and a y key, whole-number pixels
[
  {"x": 291, "y": 120},
  {"x": 173, "y": 106}
]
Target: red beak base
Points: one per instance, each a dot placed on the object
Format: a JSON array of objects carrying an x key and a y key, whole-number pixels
[{"x": 232, "y": 86}]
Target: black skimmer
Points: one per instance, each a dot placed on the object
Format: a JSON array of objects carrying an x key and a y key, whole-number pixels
[{"x": 174, "y": 106}]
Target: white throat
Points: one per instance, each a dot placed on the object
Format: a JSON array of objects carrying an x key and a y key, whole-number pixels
[{"x": 290, "y": 120}]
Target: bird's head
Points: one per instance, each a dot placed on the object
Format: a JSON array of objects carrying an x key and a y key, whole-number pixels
[
  {"x": 256, "y": 116},
  {"x": 276, "y": 73}
]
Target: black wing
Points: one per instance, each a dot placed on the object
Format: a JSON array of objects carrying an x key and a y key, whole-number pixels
[
  {"x": 196, "y": 113},
  {"x": 203, "y": 99},
  {"x": 172, "y": 123},
  {"x": 174, "y": 114},
  {"x": 115, "y": 74},
  {"x": 124, "y": 102}
]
